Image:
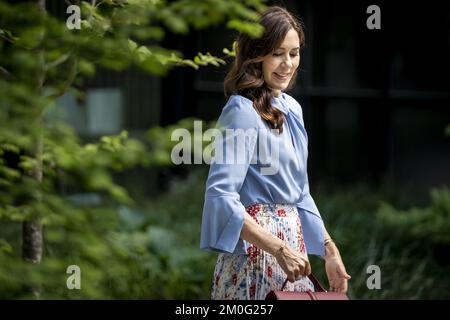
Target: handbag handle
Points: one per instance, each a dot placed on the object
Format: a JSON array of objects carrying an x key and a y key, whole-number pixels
[{"x": 316, "y": 283}]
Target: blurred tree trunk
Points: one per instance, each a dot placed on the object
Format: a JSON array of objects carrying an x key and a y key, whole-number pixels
[
  {"x": 32, "y": 230},
  {"x": 32, "y": 238}
]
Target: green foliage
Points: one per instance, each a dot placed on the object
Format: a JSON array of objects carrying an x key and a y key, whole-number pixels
[
  {"x": 368, "y": 231},
  {"x": 100, "y": 229},
  {"x": 232, "y": 52},
  {"x": 245, "y": 27},
  {"x": 50, "y": 176},
  {"x": 189, "y": 270},
  {"x": 111, "y": 36},
  {"x": 429, "y": 224},
  {"x": 123, "y": 252}
]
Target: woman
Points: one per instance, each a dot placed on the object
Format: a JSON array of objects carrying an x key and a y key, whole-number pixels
[{"x": 264, "y": 223}]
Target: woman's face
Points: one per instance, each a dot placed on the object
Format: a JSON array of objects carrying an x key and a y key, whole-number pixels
[{"x": 279, "y": 66}]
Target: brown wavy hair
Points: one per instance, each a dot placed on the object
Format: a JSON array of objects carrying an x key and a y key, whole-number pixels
[{"x": 246, "y": 75}]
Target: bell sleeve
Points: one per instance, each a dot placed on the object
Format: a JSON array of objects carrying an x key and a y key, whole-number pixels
[
  {"x": 223, "y": 212},
  {"x": 312, "y": 223}
]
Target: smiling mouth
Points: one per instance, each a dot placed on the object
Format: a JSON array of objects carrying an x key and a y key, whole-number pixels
[{"x": 282, "y": 76}]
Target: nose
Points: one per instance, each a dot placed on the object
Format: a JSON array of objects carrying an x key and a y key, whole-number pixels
[{"x": 288, "y": 61}]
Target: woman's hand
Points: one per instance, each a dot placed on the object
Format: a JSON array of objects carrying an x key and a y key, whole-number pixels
[
  {"x": 336, "y": 273},
  {"x": 293, "y": 263}
]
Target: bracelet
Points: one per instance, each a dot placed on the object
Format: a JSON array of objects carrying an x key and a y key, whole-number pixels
[{"x": 280, "y": 249}]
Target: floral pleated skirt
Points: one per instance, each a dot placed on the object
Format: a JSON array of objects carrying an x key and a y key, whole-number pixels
[{"x": 251, "y": 276}]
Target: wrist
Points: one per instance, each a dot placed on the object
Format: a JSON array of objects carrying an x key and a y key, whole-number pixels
[
  {"x": 280, "y": 248},
  {"x": 331, "y": 250}
]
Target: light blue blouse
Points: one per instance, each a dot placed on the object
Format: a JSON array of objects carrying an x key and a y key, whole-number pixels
[{"x": 231, "y": 187}]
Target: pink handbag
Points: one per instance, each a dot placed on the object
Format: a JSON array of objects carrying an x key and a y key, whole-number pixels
[{"x": 319, "y": 294}]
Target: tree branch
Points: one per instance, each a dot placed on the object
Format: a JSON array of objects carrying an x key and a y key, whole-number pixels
[
  {"x": 6, "y": 73},
  {"x": 68, "y": 82},
  {"x": 6, "y": 38},
  {"x": 58, "y": 61}
]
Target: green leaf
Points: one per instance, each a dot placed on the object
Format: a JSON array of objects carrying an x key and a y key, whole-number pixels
[
  {"x": 143, "y": 53},
  {"x": 10, "y": 147},
  {"x": 5, "y": 247},
  {"x": 132, "y": 45},
  {"x": 254, "y": 30},
  {"x": 86, "y": 68},
  {"x": 145, "y": 33}
]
